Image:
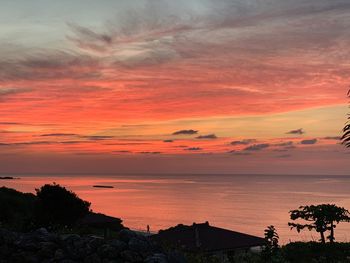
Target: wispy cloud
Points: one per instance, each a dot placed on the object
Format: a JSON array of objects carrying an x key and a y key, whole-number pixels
[
  {"x": 257, "y": 147},
  {"x": 297, "y": 131},
  {"x": 243, "y": 142},
  {"x": 283, "y": 144},
  {"x": 150, "y": 152},
  {"x": 98, "y": 137},
  {"x": 185, "y": 132},
  {"x": 59, "y": 134},
  {"x": 193, "y": 149},
  {"x": 209, "y": 136},
  {"x": 336, "y": 138},
  {"x": 310, "y": 141}
]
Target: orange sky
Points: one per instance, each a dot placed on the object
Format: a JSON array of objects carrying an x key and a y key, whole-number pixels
[{"x": 249, "y": 83}]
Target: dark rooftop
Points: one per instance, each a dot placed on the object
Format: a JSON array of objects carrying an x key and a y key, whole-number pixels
[
  {"x": 206, "y": 238},
  {"x": 100, "y": 220}
]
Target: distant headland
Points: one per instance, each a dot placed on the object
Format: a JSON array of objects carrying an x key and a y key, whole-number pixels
[{"x": 8, "y": 178}]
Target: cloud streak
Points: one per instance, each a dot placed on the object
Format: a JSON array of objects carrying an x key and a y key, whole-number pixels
[
  {"x": 185, "y": 132},
  {"x": 257, "y": 147},
  {"x": 309, "y": 142},
  {"x": 298, "y": 131},
  {"x": 206, "y": 137},
  {"x": 243, "y": 142}
]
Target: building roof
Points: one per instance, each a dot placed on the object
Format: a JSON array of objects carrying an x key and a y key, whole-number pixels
[
  {"x": 100, "y": 220},
  {"x": 204, "y": 237}
]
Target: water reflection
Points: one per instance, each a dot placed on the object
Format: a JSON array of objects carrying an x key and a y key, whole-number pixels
[{"x": 246, "y": 203}]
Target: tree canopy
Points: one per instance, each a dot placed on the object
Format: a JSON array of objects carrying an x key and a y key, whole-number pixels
[
  {"x": 346, "y": 130},
  {"x": 59, "y": 206},
  {"x": 320, "y": 218},
  {"x": 16, "y": 209}
]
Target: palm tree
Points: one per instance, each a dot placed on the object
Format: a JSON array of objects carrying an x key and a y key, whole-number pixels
[{"x": 346, "y": 130}]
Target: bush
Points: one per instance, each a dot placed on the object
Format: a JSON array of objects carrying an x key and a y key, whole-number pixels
[
  {"x": 59, "y": 207},
  {"x": 16, "y": 209},
  {"x": 316, "y": 252}
]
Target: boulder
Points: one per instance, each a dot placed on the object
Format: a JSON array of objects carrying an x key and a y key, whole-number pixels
[
  {"x": 130, "y": 256},
  {"x": 126, "y": 234},
  {"x": 157, "y": 258},
  {"x": 94, "y": 258}
]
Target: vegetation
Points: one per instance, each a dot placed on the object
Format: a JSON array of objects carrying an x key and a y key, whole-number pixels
[
  {"x": 346, "y": 131},
  {"x": 16, "y": 209},
  {"x": 271, "y": 238},
  {"x": 56, "y": 207},
  {"x": 272, "y": 246},
  {"x": 53, "y": 206},
  {"x": 59, "y": 206},
  {"x": 321, "y": 218}
]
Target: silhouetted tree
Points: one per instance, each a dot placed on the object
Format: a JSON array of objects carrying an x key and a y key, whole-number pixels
[
  {"x": 16, "y": 209},
  {"x": 321, "y": 217},
  {"x": 271, "y": 249},
  {"x": 59, "y": 206},
  {"x": 346, "y": 130},
  {"x": 271, "y": 238}
]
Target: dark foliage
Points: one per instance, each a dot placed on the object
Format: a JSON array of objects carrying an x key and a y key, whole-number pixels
[
  {"x": 321, "y": 218},
  {"x": 16, "y": 209},
  {"x": 301, "y": 252},
  {"x": 272, "y": 239},
  {"x": 59, "y": 206},
  {"x": 346, "y": 130}
]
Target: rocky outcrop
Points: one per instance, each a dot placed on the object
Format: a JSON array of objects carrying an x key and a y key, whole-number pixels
[{"x": 42, "y": 246}]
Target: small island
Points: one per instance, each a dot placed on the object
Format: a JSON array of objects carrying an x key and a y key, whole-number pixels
[
  {"x": 7, "y": 178},
  {"x": 103, "y": 186}
]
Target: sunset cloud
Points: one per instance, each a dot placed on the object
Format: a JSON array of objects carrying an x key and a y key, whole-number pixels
[
  {"x": 193, "y": 149},
  {"x": 336, "y": 138},
  {"x": 298, "y": 131},
  {"x": 163, "y": 76},
  {"x": 58, "y": 134},
  {"x": 243, "y": 142},
  {"x": 209, "y": 136},
  {"x": 257, "y": 147},
  {"x": 311, "y": 141},
  {"x": 185, "y": 132}
]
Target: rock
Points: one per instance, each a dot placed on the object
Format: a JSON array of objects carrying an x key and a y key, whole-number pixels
[
  {"x": 24, "y": 257},
  {"x": 126, "y": 234},
  {"x": 29, "y": 245},
  {"x": 70, "y": 237},
  {"x": 130, "y": 256},
  {"x": 59, "y": 254},
  {"x": 6, "y": 251},
  {"x": 107, "y": 251},
  {"x": 94, "y": 243},
  {"x": 176, "y": 257},
  {"x": 139, "y": 245},
  {"x": 47, "y": 249},
  {"x": 118, "y": 244},
  {"x": 112, "y": 261},
  {"x": 94, "y": 258},
  {"x": 157, "y": 258},
  {"x": 7, "y": 237}
]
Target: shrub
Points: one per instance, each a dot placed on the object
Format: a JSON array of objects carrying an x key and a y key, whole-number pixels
[
  {"x": 59, "y": 207},
  {"x": 16, "y": 209}
]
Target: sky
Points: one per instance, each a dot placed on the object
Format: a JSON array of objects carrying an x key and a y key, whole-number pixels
[{"x": 195, "y": 86}]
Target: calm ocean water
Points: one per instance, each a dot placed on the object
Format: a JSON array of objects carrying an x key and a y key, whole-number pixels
[{"x": 245, "y": 203}]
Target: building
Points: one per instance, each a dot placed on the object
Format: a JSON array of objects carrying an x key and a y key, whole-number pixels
[
  {"x": 101, "y": 221},
  {"x": 207, "y": 239}
]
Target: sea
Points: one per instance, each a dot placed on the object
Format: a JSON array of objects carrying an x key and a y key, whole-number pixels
[{"x": 243, "y": 203}]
